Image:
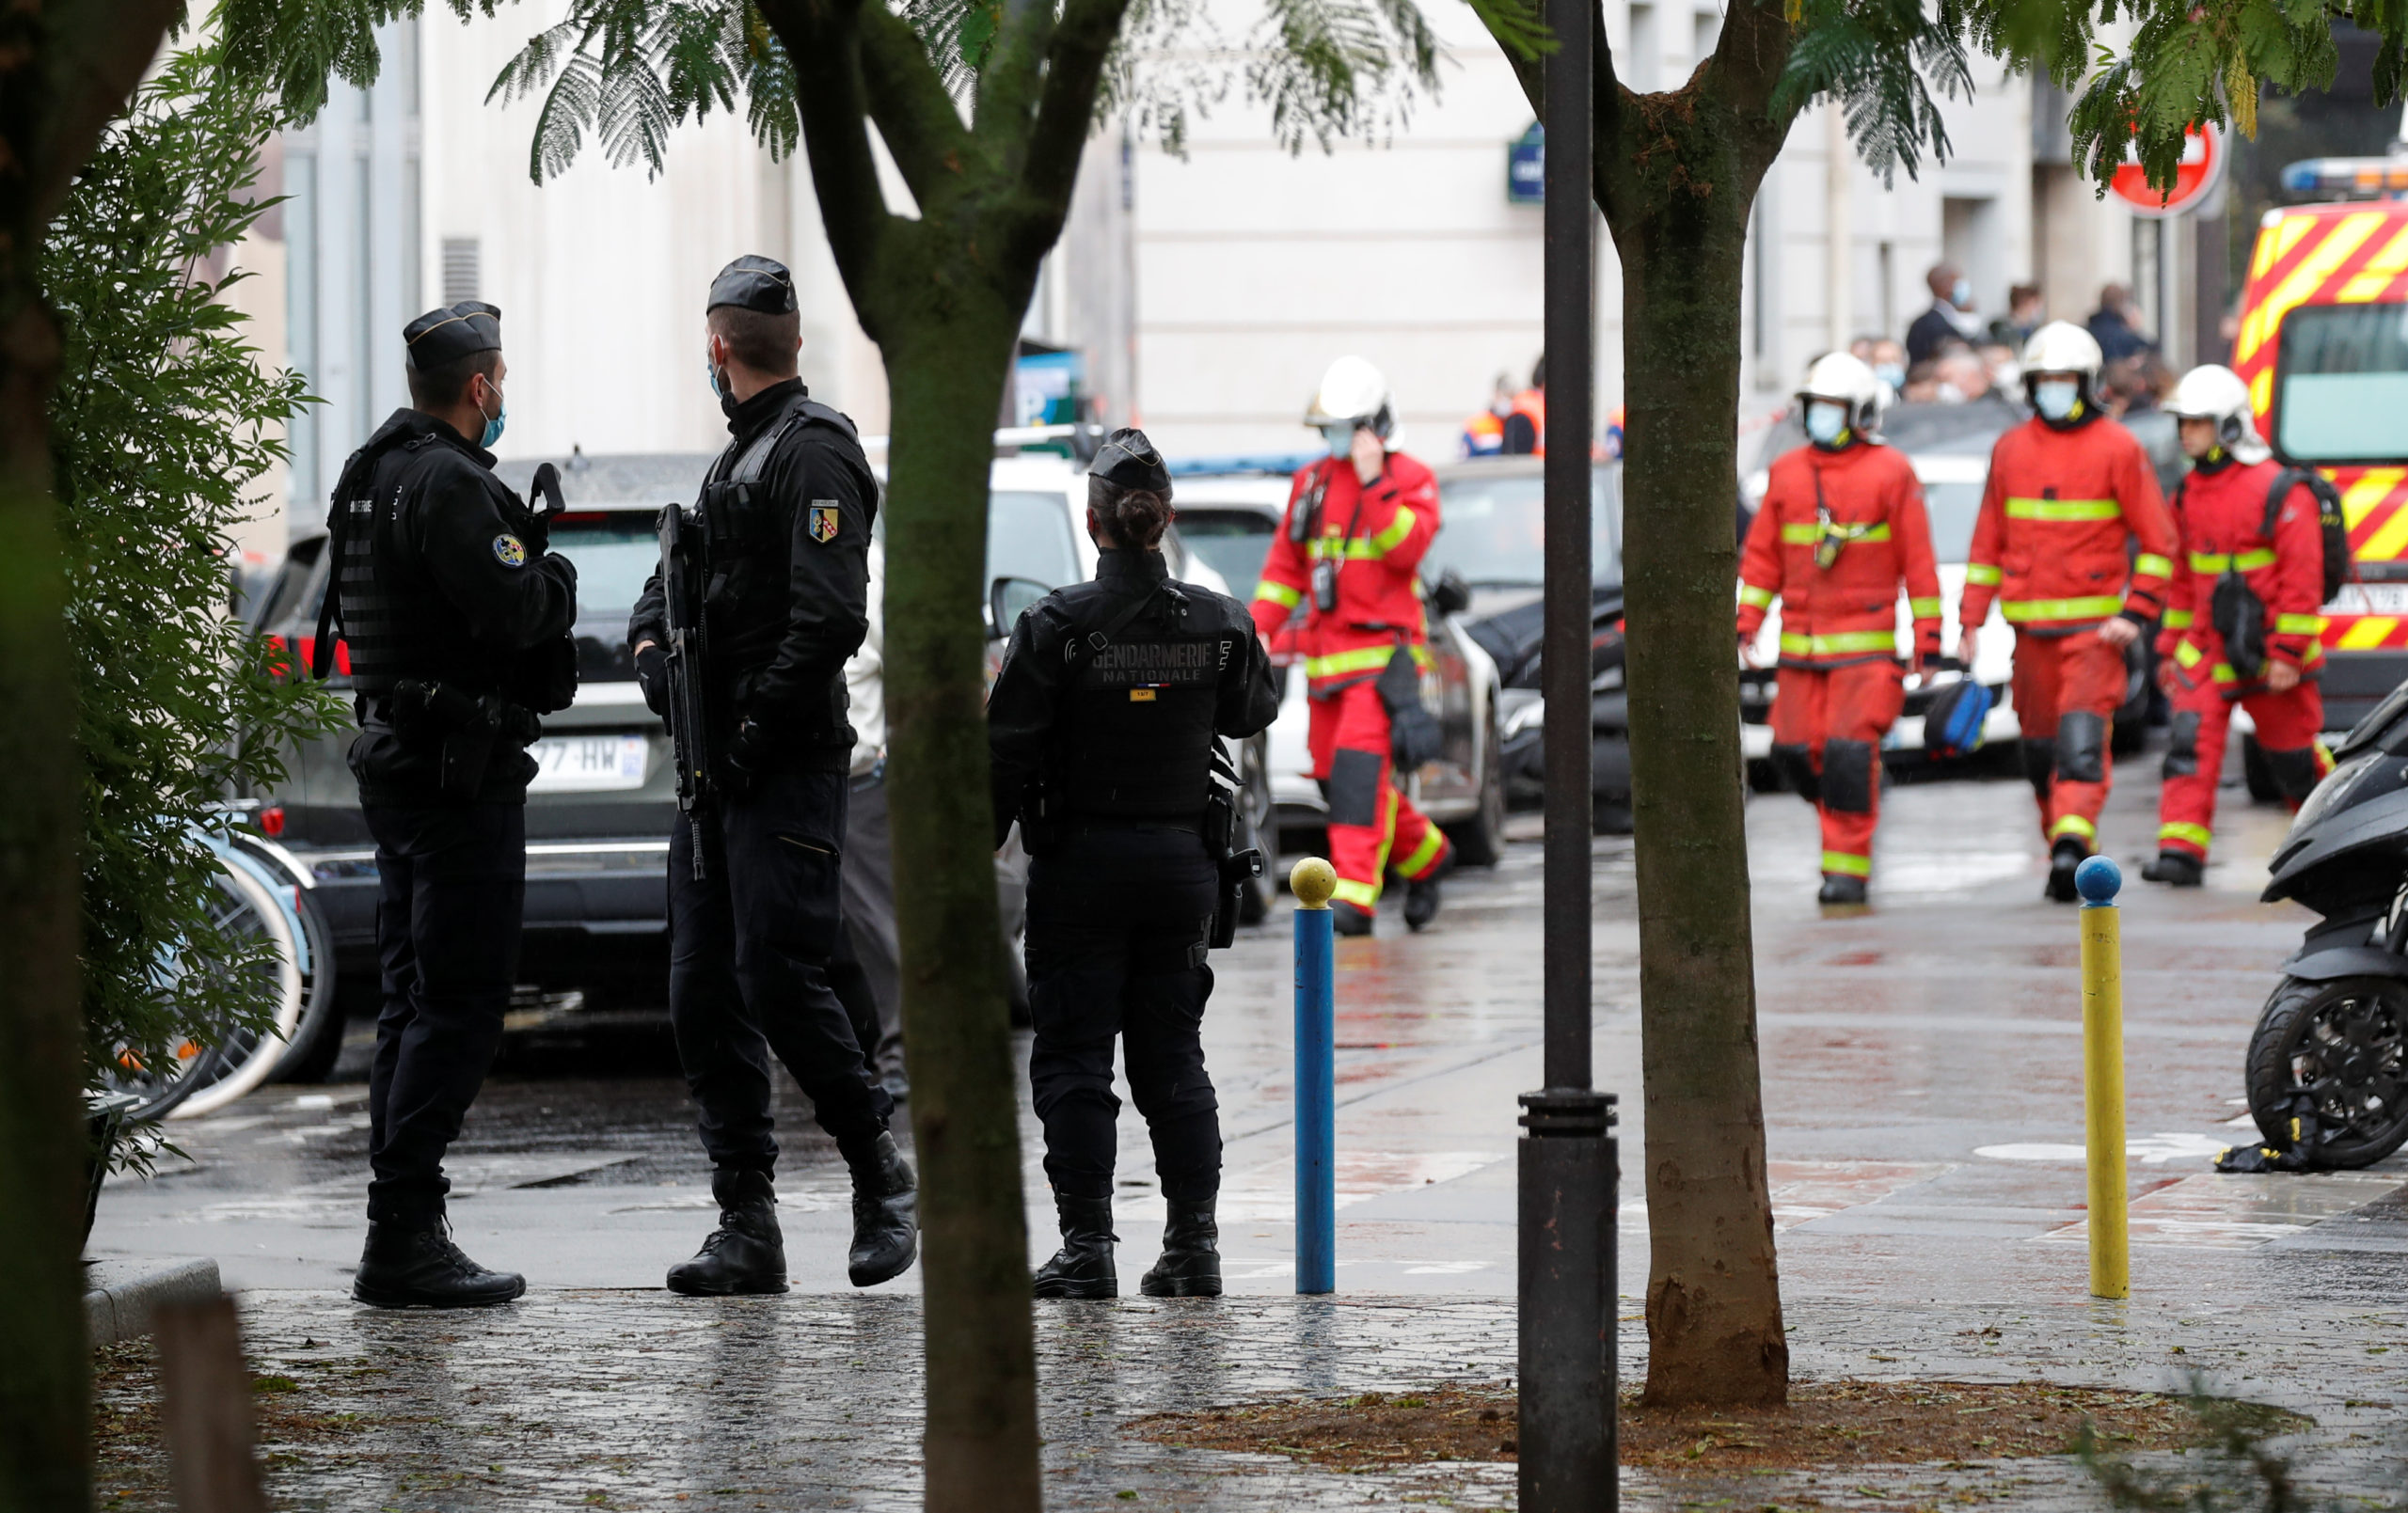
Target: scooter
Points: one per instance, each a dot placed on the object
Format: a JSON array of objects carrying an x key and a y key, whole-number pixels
[{"x": 2333, "y": 1040}]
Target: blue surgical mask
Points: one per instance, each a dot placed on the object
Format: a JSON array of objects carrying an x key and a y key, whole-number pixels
[
  {"x": 1962, "y": 295},
  {"x": 1894, "y": 374},
  {"x": 1340, "y": 438},
  {"x": 1825, "y": 423},
  {"x": 2056, "y": 398},
  {"x": 495, "y": 421},
  {"x": 715, "y": 376}
]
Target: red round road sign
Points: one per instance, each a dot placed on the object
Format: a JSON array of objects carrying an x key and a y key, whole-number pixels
[{"x": 2203, "y": 155}]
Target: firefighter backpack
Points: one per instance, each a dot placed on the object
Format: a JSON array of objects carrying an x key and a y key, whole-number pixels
[{"x": 2330, "y": 522}]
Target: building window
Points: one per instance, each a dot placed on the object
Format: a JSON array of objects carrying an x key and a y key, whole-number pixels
[{"x": 463, "y": 269}]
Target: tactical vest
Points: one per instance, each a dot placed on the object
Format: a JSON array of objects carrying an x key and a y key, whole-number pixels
[
  {"x": 749, "y": 531},
  {"x": 395, "y": 620},
  {"x": 1135, "y": 740}
]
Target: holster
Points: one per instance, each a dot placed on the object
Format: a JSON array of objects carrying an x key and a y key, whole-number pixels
[
  {"x": 1237, "y": 869},
  {"x": 463, "y": 728}
]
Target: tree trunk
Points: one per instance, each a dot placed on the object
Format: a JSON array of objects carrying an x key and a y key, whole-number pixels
[
  {"x": 944, "y": 365},
  {"x": 1678, "y": 206}
]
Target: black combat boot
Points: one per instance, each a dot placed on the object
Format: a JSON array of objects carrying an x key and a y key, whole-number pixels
[
  {"x": 1345, "y": 919},
  {"x": 417, "y": 1266},
  {"x": 1422, "y": 896},
  {"x": 2065, "y": 859},
  {"x": 1840, "y": 887},
  {"x": 2179, "y": 868},
  {"x": 1082, "y": 1266},
  {"x": 746, "y": 1253},
  {"x": 886, "y": 1214},
  {"x": 1191, "y": 1263}
]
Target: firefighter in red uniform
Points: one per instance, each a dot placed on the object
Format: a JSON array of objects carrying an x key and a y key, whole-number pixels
[
  {"x": 2071, "y": 494},
  {"x": 1348, "y": 556},
  {"x": 1840, "y": 528},
  {"x": 2235, "y": 492}
]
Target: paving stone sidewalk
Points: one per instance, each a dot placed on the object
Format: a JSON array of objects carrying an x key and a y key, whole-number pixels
[{"x": 643, "y": 1400}]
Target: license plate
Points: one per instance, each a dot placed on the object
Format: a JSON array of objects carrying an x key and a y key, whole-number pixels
[
  {"x": 588, "y": 764},
  {"x": 2370, "y": 599}
]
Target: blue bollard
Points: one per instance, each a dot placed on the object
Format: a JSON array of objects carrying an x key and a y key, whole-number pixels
[{"x": 1313, "y": 880}]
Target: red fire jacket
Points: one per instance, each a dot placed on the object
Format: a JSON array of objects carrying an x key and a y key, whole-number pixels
[
  {"x": 2219, "y": 517},
  {"x": 2052, "y": 540},
  {"x": 1375, "y": 536},
  {"x": 1864, "y": 500}
]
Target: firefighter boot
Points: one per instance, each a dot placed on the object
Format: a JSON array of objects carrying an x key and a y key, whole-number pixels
[
  {"x": 886, "y": 1227},
  {"x": 2179, "y": 868},
  {"x": 1840, "y": 887},
  {"x": 417, "y": 1266},
  {"x": 1191, "y": 1263},
  {"x": 746, "y": 1253},
  {"x": 1422, "y": 893},
  {"x": 1345, "y": 919},
  {"x": 2064, "y": 857},
  {"x": 1082, "y": 1266}
]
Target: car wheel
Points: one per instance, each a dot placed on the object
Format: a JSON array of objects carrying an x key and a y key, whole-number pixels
[
  {"x": 2259, "y": 773},
  {"x": 1479, "y": 840},
  {"x": 1258, "y": 828}
]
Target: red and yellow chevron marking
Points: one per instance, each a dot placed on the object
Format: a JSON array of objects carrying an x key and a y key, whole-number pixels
[
  {"x": 2345, "y": 254},
  {"x": 2365, "y": 633}
]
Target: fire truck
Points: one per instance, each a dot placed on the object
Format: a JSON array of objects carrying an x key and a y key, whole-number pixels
[{"x": 2324, "y": 346}]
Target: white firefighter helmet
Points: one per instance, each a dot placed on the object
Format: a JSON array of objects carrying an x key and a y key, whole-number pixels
[
  {"x": 2214, "y": 392},
  {"x": 2063, "y": 347},
  {"x": 1846, "y": 380},
  {"x": 1353, "y": 390}
]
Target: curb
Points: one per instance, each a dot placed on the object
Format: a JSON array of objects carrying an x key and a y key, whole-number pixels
[{"x": 119, "y": 1295}]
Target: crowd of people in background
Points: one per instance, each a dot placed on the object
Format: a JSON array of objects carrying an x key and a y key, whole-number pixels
[{"x": 1951, "y": 355}]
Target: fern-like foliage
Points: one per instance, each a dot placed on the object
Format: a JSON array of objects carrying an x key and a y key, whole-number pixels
[{"x": 1881, "y": 61}]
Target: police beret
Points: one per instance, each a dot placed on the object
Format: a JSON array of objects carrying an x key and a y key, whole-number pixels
[
  {"x": 443, "y": 336},
  {"x": 754, "y": 283},
  {"x": 1129, "y": 461}
]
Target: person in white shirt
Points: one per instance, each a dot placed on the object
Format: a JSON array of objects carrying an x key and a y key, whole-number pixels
[{"x": 871, "y": 982}]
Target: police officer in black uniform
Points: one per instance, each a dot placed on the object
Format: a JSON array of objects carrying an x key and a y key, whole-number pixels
[
  {"x": 457, "y": 621},
  {"x": 1102, "y": 726},
  {"x": 785, "y": 516}
]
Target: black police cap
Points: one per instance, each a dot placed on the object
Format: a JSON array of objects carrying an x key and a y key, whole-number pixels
[
  {"x": 754, "y": 283},
  {"x": 1129, "y": 461},
  {"x": 447, "y": 335}
]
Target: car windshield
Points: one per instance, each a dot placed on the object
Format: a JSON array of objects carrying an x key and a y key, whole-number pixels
[
  {"x": 1028, "y": 536},
  {"x": 1232, "y": 542},
  {"x": 614, "y": 554},
  {"x": 2344, "y": 384},
  {"x": 1494, "y": 531},
  {"x": 1952, "y": 508}
]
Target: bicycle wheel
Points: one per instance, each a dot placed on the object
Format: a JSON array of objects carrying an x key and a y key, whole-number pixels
[
  {"x": 316, "y": 1041},
  {"x": 250, "y": 910}
]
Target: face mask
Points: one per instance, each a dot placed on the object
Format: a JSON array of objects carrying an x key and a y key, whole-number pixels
[
  {"x": 493, "y": 422},
  {"x": 1340, "y": 438},
  {"x": 1894, "y": 374},
  {"x": 2007, "y": 377},
  {"x": 711, "y": 376},
  {"x": 1825, "y": 423},
  {"x": 1962, "y": 295},
  {"x": 2058, "y": 398}
]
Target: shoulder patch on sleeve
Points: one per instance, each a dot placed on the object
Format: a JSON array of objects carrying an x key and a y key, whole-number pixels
[
  {"x": 509, "y": 550},
  {"x": 827, "y": 518}
]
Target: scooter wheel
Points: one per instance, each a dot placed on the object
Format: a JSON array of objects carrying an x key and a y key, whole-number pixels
[{"x": 2344, "y": 1043}]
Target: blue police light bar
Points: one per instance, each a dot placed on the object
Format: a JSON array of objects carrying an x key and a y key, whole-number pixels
[
  {"x": 2355, "y": 178},
  {"x": 1279, "y": 463}
]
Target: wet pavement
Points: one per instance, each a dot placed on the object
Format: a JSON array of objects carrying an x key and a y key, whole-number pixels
[{"x": 1922, "y": 1097}]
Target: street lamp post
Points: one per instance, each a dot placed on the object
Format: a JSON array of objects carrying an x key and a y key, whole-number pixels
[{"x": 1566, "y": 1282}]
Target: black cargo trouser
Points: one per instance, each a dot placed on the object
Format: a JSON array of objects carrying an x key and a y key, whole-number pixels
[
  {"x": 1118, "y": 920},
  {"x": 452, "y": 887},
  {"x": 749, "y": 953}
]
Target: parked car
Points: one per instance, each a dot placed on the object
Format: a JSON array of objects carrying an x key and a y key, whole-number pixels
[
  {"x": 1227, "y": 512},
  {"x": 1949, "y": 447}
]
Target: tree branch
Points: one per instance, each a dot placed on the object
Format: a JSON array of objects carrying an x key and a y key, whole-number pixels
[
  {"x": 1750, "y": 54},
  {"x": 98, "y": 52},
  {"x": 921, "y": 124},
  {"x": 1066, "y": 111},
  {"x": 820, "y": 35}
]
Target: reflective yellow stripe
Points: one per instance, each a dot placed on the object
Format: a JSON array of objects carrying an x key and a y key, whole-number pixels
[
  {"x": 1810, "y": 532},
  {"x": 1423, "y": 856},
  {"x": 1365, "y": 896},
  {"x": 2073, "y": 824},
  {"x": 1855, "y": 640},
  {"x": 1401, "y": 526},
  {"x": 1362, "y": 660},
  {"x": 2063, "y": 510},
  {"x": 1985, "y": 573},
  {"x": 1797, "y": 535},
  {"x": 2148, "y": 564},
  {"x": 2022, "y": 610},
  {"x": 2178, "y": 620},
  {"x": 2221, "y": 672},
  {"x": 2298, "y": 624},
  {"x": 2218, "y": 562},
  {"x": 1755, "y": 598},
  {"x": 2188, "y": 655},
  {"x": 1851, "y": 865},
  {"x": 2196, "y": 834},
  {"x": 1278, "y": 593},
  {"x": 1334, "y": 548},
  {"x": 1924, "y": 608}
]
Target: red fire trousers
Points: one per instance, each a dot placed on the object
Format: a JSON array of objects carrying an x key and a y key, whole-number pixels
[
  {"x": 2288, "y": 725},
  {"x": 1372, "y": 826},
  {"x": 2067, "y": 689},
  {"x": 1827, "y": 730}
]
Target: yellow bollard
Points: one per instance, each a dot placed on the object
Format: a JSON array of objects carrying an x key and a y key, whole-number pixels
[{"x": 2102, "y": 1077}]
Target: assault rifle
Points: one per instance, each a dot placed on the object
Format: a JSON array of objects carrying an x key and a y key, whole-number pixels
[{"x": 682, "y": 576}]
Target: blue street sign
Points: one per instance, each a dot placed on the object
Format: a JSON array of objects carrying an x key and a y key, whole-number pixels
[{"x": 1526, "y": 168}]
